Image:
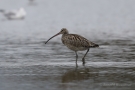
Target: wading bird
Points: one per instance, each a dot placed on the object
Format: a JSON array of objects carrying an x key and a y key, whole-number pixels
[
  {"x": 14, "y": 14},
  {"x": 75, "y": 42}
]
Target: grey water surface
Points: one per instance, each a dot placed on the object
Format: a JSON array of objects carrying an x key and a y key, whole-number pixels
[{"x": 26, "y": 63}]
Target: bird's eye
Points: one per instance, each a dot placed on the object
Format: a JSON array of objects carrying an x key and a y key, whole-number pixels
[{"x": 63, "y": 29}]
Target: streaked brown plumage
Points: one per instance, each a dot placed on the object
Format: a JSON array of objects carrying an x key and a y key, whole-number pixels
[{"x": 75, "y": 42}]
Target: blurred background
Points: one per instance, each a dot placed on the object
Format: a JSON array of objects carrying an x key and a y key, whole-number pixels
[
  {"x": 26, "y": 63},
  {"x": 93, "y": 19}
]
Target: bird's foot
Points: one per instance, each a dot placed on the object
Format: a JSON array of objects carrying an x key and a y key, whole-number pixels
[
  {"x": 83, "y": 63},
  {"x": 83, "y": 60},
  {"x": 76, "y": 65}
]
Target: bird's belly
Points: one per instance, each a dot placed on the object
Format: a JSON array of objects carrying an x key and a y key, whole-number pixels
[{"x": 74, "y": 48}]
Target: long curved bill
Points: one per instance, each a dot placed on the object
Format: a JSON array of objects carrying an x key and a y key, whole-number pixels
[{"x": 52, "y": 37}]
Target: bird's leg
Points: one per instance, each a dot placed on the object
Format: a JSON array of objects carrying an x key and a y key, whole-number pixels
[
  {"x": 83, "y": 59},
  {"x": 76, "y": 58}
]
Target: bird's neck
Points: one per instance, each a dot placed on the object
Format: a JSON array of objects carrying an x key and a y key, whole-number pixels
[{"x": 64, "y": 34}]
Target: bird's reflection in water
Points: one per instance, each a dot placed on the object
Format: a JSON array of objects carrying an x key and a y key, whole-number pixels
[{"x": 76, "y": 74}]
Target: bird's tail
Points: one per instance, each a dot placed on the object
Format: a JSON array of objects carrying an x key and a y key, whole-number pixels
[
  {"x": 94, "y": 45},
  {"x": 2, "y": 11}
]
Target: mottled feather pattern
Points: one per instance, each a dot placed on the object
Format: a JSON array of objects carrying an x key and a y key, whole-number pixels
[{"x": 77, "y": 41}]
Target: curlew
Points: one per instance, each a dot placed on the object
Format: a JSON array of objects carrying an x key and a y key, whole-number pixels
[{"x": 75, "y": 43}]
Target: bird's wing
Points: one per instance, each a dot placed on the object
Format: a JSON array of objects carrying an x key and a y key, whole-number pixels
[
  {"x": 75, "y": 40},
  {"x": 8, "y": 14}
]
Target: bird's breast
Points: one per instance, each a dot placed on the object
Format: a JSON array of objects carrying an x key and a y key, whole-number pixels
[
  {"x": 74, "y": 43},
  {"x": 75, "y": 48}
]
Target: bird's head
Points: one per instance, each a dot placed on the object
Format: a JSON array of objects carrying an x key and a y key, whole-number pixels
[{"x": 63, "y": 31}]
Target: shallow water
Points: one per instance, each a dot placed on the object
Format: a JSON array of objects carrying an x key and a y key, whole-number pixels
[{"x": 26, "y": 63}]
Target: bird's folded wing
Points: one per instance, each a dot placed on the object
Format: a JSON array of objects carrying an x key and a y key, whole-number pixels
[{"x": 76, "y": 40}]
